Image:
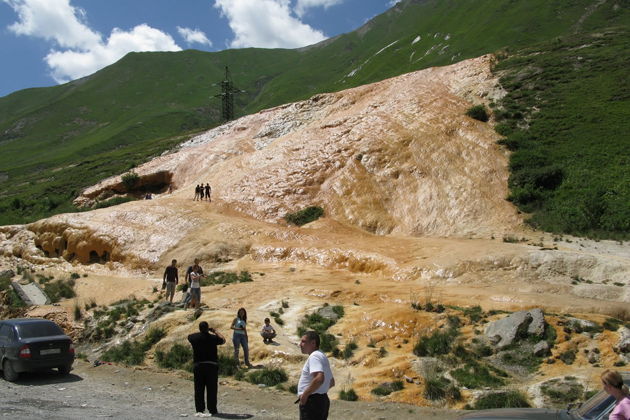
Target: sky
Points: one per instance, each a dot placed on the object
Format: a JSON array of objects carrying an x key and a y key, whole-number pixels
[{"x": 48, "y": 42}]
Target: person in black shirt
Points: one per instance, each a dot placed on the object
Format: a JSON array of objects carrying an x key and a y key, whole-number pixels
[
  {"x": 206, "y": 366},
  {"x": 207, "y": 190},
  {"x": 170, "y": 280}
]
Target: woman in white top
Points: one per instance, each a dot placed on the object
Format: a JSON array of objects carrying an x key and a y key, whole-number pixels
[
  {"x": 195, "y": 288},
  {"x": 239, "y": 338}
]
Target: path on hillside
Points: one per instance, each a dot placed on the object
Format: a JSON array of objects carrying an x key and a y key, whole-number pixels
[{"x": 110, "y": 391}]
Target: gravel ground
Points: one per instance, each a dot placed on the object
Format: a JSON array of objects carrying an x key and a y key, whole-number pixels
[{"x": 127, "y": 393}]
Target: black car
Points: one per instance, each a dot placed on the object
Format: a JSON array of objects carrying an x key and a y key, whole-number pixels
[
  {"x": 32, "y": 344},
  {"x": 598, "y": 407}
]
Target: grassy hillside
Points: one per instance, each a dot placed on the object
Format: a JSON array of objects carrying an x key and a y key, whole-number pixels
[
  {"x": 567, "y": 119},
  {"x": 55, "y": 141}
]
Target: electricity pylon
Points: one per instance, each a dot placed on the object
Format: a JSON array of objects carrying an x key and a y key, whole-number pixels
[{"x": 227, "y": 96}]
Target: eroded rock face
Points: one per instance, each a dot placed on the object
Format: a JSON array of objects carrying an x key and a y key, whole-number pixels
[{"x": 399, "y": 156}]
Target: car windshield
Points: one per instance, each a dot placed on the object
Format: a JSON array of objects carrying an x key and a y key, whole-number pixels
[
  {"x": 39, "y": 329},
  {"x": 595, "y": 406}
]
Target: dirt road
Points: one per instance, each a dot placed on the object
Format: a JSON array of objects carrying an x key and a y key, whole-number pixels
[{"x": 111, "y": 391}]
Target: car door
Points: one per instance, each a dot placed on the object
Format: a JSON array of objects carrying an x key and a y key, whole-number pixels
[{"x": 5, "y": 334}]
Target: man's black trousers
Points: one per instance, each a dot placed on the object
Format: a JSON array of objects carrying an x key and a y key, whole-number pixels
[
  {"x": 316, "y": 407},
  {"x": 206, "y": 379}
]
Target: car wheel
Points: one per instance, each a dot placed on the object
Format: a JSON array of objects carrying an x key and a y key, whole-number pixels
[
  {"x": 64, "y": 370},
  {"x": 9, "y": 373}
]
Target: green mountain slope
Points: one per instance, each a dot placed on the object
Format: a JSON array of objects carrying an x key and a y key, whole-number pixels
[{"x": 57, "y": 140}]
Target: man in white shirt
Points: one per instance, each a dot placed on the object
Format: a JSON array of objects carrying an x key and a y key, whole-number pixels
[{"x": 315, "y": 380}]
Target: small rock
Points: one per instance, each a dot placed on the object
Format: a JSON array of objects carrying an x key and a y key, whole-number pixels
[
  {"x": 541, "y": 349},
  {"x": 623, "y": 345}
]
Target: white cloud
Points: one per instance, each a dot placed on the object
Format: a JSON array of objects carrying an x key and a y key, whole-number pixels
[
  {"x": 70, "y": 64},
  {"x": 266, "y": 24},
  {"x": 393, "y": 3},
  {"x": 53, "y": 20},
  {"x": 302, "y": 5},
  {"x": 78, "y": 50},
  {"x": 192, "y": 36}
]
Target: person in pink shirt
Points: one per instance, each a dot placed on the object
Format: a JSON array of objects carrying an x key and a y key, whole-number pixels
[{"x": 614, "y": 386}]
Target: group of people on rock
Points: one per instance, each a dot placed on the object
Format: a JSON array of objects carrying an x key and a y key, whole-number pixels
[
  {"x": 191, "y": 287},
  {"x": 316, "y": 377},
  {"x": 202, "y": 192}
]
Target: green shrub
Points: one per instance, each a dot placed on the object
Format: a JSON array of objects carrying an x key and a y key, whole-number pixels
[
  {"x": 228, "y": 365},
  {"x": 475, "y": 375},
  {"x": 349, "y": 395},
  {"x": 387, "y": 388},
  {"x": 438, "y": 343},
  {"x": 77, "y": 312},
  {"x": 130, "y": 180},
  {"x": 268, "y": 376},
  {"x": 568, "y": 357},
  {"x": 179, "y": 356},
  {"x": 60, "y": 289},
  {"x": 304, "y": 216},
  {"x": 112, "y": 202},
  {"x": 518, "y": 357},
  {"x": 478, "y": 112},
  {"x": 507, "y": 399},
  {"x": 133, "y": 352},
  {"x": 564, "y": 396},
  {"x": 225, "y": 277},
  {"x": 612, "y": 324},
  {"x": 348, "y": 351}
]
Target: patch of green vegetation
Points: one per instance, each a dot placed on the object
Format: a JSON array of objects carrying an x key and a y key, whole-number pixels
[
  {"x": 113, "y": 202},
  {"x": 568, "y": 356},
  {"x": 267, "y": 376},
  {"x": 438, "y": 343},
  {"x": 320, "y": 324},
  {"x": 228, "y": 365},
  {"x": 304, "y": 216},
  {"x": 59, "y": 289},
  {"x": 507, "y": 399},
  {"x": 478, "y": 112},
  {"x": 349, "y": 395},
  {"x": 179, "y": 356},
  {"x": 565, "y": 395},
  {"x": 565, "y": 117},
  {"x": 475, "y": 375},
  {"x": 133, "y": 352},
  {"x": 226, "y": 277},
  {"x": 130, "y": 180},
  {"x": 517, "y": 357},
  {"x": 612, "y": 324},
  {"x": 440, "y": 388},
  {"x": 349, "y": 349},
  {"x": 387, "y": 388}
]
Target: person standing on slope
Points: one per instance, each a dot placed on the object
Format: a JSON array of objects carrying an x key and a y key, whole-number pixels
[
  {"x": 206, "y": 366},
  {"x": 315, "y": 380}
]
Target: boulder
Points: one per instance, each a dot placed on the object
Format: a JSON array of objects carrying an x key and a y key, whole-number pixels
[
  {"x": 6, "y": 274},
  {"x": 541, "y": 349},
  {"x": 328, "y": 313},
  {"x": 623, "y": 345},
  {"x": 520, "y": 324}
]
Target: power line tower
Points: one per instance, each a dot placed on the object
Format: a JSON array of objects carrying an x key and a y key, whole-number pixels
[{"x": 227, "y": 96}]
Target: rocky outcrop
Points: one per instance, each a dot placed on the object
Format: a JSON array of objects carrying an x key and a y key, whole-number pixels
[
  {"x": 623, "y": 345},
  {"x": 516, "y": 326}
]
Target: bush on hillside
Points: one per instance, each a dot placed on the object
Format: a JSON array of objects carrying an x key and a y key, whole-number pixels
[
  {"x": 478, "y": 112},
  {"x": 304, "y": 216},
  {"x": 130, "y": 180}
]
